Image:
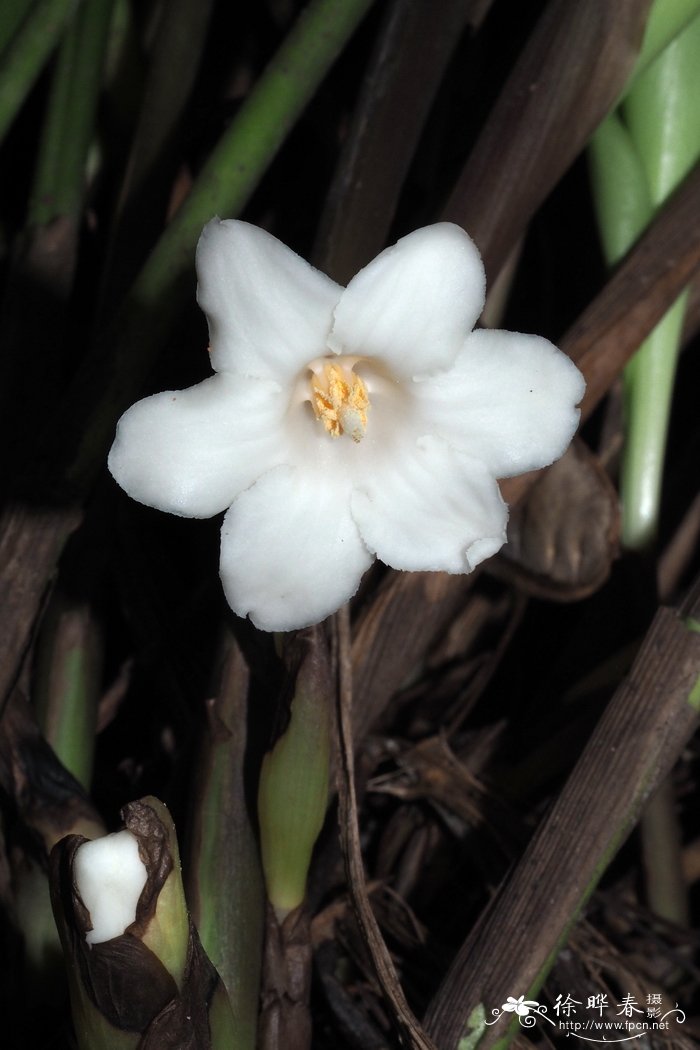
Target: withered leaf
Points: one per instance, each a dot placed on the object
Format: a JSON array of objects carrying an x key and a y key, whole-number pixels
[
  {"x": 48, "y": 798},
  {"x": 141, "y": 819},
  {"x": 127, "y": 982},
  {"x": 567, "y": 78},
  {"x": 635, "y": 744},
  {"x": 406, "y": 69},
  {"x": 412, "y": 1034},
  {"x": 563, "y": 536},
  {"x": 286, "y": 985}
]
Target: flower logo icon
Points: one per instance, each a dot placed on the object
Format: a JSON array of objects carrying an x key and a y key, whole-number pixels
[{"x": 520, "y": 1006}]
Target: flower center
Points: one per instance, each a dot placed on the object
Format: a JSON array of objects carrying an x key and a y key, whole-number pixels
[{"x": 340, "y": 400}]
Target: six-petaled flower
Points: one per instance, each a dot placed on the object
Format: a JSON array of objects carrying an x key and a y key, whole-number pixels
[{"x": 346, "y": 423}]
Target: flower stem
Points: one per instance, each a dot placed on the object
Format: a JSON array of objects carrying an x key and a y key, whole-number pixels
[{"x": 26, "y": 53}]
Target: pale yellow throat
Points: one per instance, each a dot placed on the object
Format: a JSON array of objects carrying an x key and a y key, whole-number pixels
[{"x": 340, "y": 401}]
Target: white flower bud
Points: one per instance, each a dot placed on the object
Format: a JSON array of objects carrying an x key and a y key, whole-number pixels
[{"x": 109, "y": 876}]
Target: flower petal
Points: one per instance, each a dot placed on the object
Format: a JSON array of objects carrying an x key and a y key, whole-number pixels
[
  {"x": 190, "y": 452},
  {"x": 509, "y": 400},
  {"x": 290, "y": 550},
  {"x": 435, "y": 509},
  {"x": 269, "y": 311},
  {"x": 413, "y": 305}
]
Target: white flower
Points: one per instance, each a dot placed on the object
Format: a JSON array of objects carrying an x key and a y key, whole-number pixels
[{"x": 344, "y": 424}]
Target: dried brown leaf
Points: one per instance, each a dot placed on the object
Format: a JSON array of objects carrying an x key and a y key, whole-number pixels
[
  {"x": 31, "y": 540},
  {"x": 413, "y": 48},
  {"x": 562, "y": 539},
  {"x": 410, "y": 610},
  {"x": 285, "y": 1021},
  {"x": 48, "y": 799},
  {"x": 640, "y": 736},
  {"x": 656, "y": 270},
  {"x": 570, "y": 74},
  {"x": 411, "y": 1031}
]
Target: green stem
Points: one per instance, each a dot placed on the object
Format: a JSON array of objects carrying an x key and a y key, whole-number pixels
[
  {"x": 620, "y": 191},
  {"x": 634, "y": 169},
  {"x": 264, "y": 121},
  {"x": 153, "y": 155},
  {"x": 667, "y": 19},
  {"x": 25, "y": 55},
  {"x": 661, "y": 111},
  {"x": 649, "y": 380},
  {"x": 13, "y": 14},
  {"x": 67, "y": 683},
  {"x": 662, "y": 114},
  {"x": 662, "y": 839},
  {"x": 60, "y": 177}
]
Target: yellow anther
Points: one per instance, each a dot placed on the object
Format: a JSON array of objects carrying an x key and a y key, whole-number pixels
[{"x": 340, "y": 401}]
